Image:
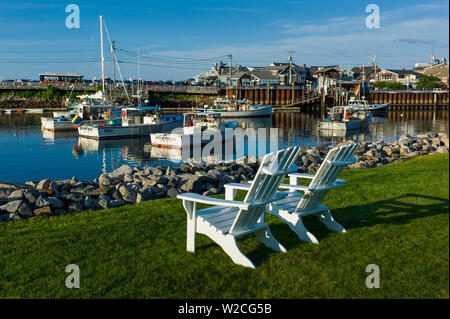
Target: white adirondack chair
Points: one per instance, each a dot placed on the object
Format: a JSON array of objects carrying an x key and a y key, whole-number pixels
[
  {"x": 228, "y": 220},
  {"x": 294, "y": 206}
]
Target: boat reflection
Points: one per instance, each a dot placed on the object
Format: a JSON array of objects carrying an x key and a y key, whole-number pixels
[{"x": 52, "y": 135}]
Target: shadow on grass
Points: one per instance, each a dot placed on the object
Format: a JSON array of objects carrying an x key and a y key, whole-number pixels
[{"x": 399, "y": 210}]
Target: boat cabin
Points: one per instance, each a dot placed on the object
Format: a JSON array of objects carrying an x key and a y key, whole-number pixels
[
  {"x": 141, "y": 115},
  {"x": 347, "y": 113}
]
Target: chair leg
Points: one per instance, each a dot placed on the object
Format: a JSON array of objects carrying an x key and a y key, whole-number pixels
[
  {"x": 231, "y": 248},
  {"x": 296, "y": 224},
  {"x": 191, "y": 230},
  {"x": 268, "y": 240},
  {"x": 327, "y": 219}
]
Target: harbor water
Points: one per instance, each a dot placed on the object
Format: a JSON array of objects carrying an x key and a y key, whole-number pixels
[{"x": 28, "y": 154}]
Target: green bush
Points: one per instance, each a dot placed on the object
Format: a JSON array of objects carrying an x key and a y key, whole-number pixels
[
  {"x": 388, "y": 85},
  {"x": 428, "y": 82}
]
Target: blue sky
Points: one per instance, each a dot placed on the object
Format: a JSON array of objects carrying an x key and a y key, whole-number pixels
[{"x": 182, "y": 38}]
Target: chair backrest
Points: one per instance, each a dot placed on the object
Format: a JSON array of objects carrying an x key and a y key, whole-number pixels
[
  {"x": 327, "y": 174},
  {"x": 272, "y": 171}
]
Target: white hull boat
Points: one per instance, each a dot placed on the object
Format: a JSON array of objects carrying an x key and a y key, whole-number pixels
[
  {"x": 343, "y": 118},
  {"x": 135, "y": 122},
  {"x": 239, "y": 109},
  {"x": 199, "y": 129},
  {"x": 254, "y": 111}
]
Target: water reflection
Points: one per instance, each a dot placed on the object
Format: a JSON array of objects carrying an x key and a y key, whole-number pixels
[{"x": 29, "y": 154}]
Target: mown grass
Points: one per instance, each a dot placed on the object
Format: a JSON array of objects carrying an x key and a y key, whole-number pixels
[{"x": 396, "y": 217}]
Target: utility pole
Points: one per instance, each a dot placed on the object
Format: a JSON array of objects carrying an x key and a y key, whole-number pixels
[{"x": 290, "y": 66}]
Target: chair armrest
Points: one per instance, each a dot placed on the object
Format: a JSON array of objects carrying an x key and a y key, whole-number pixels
[
  {"x": 242, "y": 187},
  {"x": 212, "y": 201},
  {"x": 294, "y": 187}
]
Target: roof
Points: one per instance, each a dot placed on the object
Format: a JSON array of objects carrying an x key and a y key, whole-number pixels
[
  {"x": 263, "y": 75},
  {"x": 440, "y": 70},
  {"x": 60, "y": 74},
  {"x": 405, "y": 72}
]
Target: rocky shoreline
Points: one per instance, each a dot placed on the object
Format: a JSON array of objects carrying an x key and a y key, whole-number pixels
[
  {"x": 17, "y": 102},
  {"x": 128, "y": 185}
]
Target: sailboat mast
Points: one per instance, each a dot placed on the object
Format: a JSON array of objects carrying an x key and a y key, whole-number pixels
[{"x": 103, "y": 57}]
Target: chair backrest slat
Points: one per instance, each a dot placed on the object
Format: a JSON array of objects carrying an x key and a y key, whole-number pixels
[
  {"x": 264, "y": 187},
  {"x": 327, "y": 175}
]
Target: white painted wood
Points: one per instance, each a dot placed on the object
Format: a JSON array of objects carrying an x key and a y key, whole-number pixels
[
  {"x": 228, "y": 219},
  {"x": 292, "y": 208}
]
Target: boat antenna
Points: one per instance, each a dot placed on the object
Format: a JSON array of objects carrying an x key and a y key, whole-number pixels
[
  {"x": 117, "y": 63},
  {"x": 102, "y": 56}
]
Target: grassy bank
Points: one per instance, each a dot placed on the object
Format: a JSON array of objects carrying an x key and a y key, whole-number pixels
[{"x": 396, "y": 217}]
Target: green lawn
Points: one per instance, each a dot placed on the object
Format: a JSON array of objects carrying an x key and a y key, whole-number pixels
[{"x": 396, "y": 216}]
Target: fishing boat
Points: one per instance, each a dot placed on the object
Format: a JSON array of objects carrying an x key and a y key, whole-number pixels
[
  {"x": 135, "y": 121},
  {"x": 199, "y": 129},
  {"x": 364, "y": 104},
  {"x": 342, "y": 118},
  {"x": 232, "y": 108},
  {"x": 88, "y": 111}
]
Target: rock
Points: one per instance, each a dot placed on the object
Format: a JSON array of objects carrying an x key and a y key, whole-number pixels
[
  {"x": 170, "y": 171},
  {"x": 11, "y": 207},
  {"x": 74, "y": 180},
  {"x": 103, "y": 201},
  {"x": 90, "y": 203},
  {"x": 101, "y": 191},
  {"x": 83, "y": 189},
  {"x": 130, "y": 196},
  {"x": 116, "y": 203},
  {"x": 54, "y": 202},
  {"x": 115, "y": 194},
  {"x": 107, "y": 179},
  {"x": 172, "y": 192},
  {"x": 44, "y": 185},
  {"x": 442, "y": 149},
  {"x": 173, "y": 181},
  {"x": 76, "y": 207},
  {"x": 128, "y": 178},
  {"x": 120, "y": 172},
  {"x": 192, "y": 185},
  {"x": 25, "y": 210},
  {"x": 44, "y": 211},
  {"x": 388, "y": 150},
  {"x": 157, "y": 172},
  {"x": 14, "y": 217},
  {"x": 32, "y": 184},
  {"x": 163, "y": 187},
  {"x": 144, "y": 194},
  {"x": 30, "y": 196},
  {"x": 15, "y": 195},
  {"x": 185, "y": 168}
]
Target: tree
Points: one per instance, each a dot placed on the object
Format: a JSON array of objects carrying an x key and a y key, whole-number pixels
[
  {"x": 428, "y": 82},
  {"x": 388, "y": 85}
]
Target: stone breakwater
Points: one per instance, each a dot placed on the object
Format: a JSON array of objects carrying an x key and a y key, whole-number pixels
[
  {"x": 17, "y": 102},
  {"x": 128, "y": 185}
]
